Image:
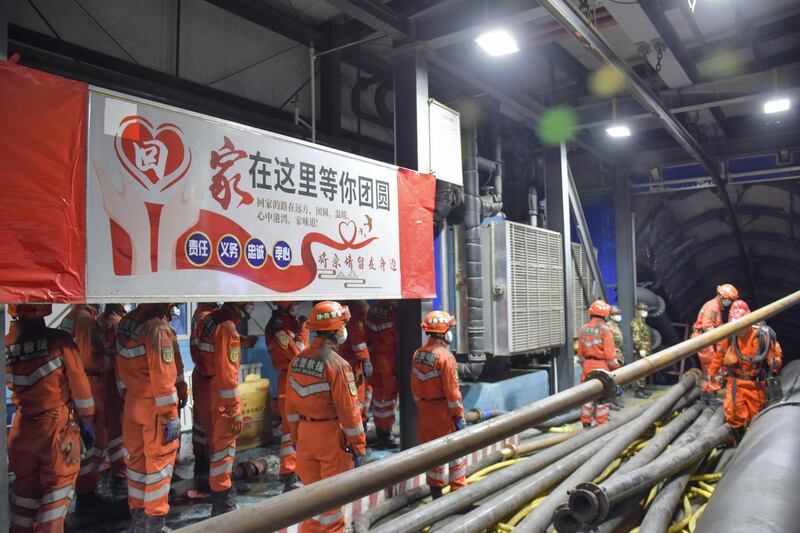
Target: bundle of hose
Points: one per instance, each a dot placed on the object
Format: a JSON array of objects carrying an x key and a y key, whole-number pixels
[
  {"x": 590, "y": 503},
  {"x": 542, "y": 516},
  {"x": 462, "y": 499}
]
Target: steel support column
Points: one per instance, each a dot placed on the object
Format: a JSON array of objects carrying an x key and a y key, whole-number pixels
[
  {"x": 569, "y": 17},
  {"x": 330, "y": 66},
  {"x": 411, "y": 151},
  {"x": 557, "y": 187},
  {"x": 626, "y": 260}
]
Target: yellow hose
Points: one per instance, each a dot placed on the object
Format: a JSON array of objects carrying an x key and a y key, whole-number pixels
[
  {"x": 525, "y": 511},
  {"x": 695, "y": 517},
  {"x": 706, "y": 477},
  {"x": 609, "y": 470},
  {"x": 568, "y": 428},
  {"x": 480, "y": 474},
  {"x": 687, "y": 515},
  {"x": 700, "y": 492},
  {"x": 706, "y": 487},
  {"x": 651, "y": 496}
]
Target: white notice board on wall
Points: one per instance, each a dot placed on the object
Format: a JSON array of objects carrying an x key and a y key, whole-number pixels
[{"x": 445, "y": 142}]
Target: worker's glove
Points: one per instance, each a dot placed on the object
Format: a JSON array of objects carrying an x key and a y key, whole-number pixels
[
  {"x": 367, "y": 367},
  {"x": 88, "y": 434},
  {"x": 357, "y": 459},
  {"x": 183, "y": 394},
  {"x": 235, "y": 424},
  {"x": 172, "y": 430},
  {"x": 642, "y": 353},
  {"x": 460, "y": 423}
]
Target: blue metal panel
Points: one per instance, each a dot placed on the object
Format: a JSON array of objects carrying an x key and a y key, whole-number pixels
[
  {"x": 507, "y": 394},
  {"x": 437, "y": 267},
  {"x": 749, "y": 164},
  {"x": 599, "y": 212},
  {"x": 683, "y": 172}
]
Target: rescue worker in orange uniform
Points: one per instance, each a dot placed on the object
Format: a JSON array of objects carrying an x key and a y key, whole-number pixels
[
  {"x": 282, "y": 335},
  {"x": 151, "y": 427},
  {"x": 221, "y": 344},
  {"x": 712, "y": 315},
  {"x": 45, "y": 375},
  {"x": 596, "y": 352},
  {"x": 753, "y": 355},
  {"x": 81, "y": 323},
  {"x": 200, "y": 402},
  {"x": 434, "y": 384},
  {"x": 322, "y": 409},
  {"x": 381, "y": 325},
  {"x": 355, "y": 352},
  {"x": 116, "y": 454},
  {"x": 181, "y": 387}
]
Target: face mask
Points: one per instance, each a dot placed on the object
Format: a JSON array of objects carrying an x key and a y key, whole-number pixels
[
  {"x": 294, "y": 310},
  {"x": 174, "y": 313},
  {"x": 616, "y": 318},
  {"x": 448, "y": 337},
  {"x": 643, "y": 314},
  {"x": 248, "y": 309},
  {"x": 341, "y": 336},
  {"x": 726, "y": 302},
  {"x": 219, "y": 304},
  {"x": 128, "y": 308}
]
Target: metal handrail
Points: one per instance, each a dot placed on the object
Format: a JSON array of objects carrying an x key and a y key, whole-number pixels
[{"x": 287, "y": 509}]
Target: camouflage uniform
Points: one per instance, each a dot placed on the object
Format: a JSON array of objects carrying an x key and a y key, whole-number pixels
[
  {"x": 640, "y": 332},
  {"x": 616, "y": 331}
]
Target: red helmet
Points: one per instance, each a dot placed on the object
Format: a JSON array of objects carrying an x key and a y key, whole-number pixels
[
  {"x": 739, "y": 309},
  {"x": 438, "y": 322},
  {"x": 728, "y": 291},
  {"x": 24, "y": 311},
  {"x": 599, "y": 308},
  {"x": 328, "y": 316}
]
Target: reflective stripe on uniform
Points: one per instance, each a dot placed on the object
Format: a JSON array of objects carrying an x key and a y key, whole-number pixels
[
  {"x": 221, "y": 469},
  {"x": 52, "y": 514},
  {"x": 29, "y": 379},
  {"x": 230, "y": 451},
  {"x": 58, "y": 494},
  {"x": 308, "y": 390},
  {"x": 352, "y": 432},
  {"x": 150, "y": 479},
  {"x": 286, "y": 437},
  {"x": 161, "y": 401},
  {"x": 228, "y": 393},
  {"x": 83, "y": 403},
  {"x": 119, "y": 454},
  {"x": 425, "y": 376},
  {"x": 148, "y": 496},
  {"x": 22, "y": 521},
  {"x": 437, "y": 475},
  {"x": 387, "y": 403},
  {"x": 360, "y": 346},
  {"x": 115, "y": 442},
  {"x": 87, "y": 469},
  {"x": 329, "y": 519},
  {"x": 292, "y": 417},
  {"x": 27, "y": 503},
  {"x": 454, "y": 404},
  {"x": 130, "y": 353},
  {"x": 287, "y": 450},
  {"x": 591, "y": 343},
  {"x": 378, "y": 327},
  {"x": 205, "y": 346},
  {"x": 121, "y": 385},
  {"x": 382, "y": 414}
]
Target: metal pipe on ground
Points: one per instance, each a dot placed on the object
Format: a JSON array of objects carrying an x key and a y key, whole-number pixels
[
  {"x": 291, "y": 508},
  {"x": 659, "y": 516},
  {"x": 462, "y": 499},
  {"x": 590, "y": 503},
  {"x": 765, "y": 466},
  {"x": 541, "y": 517}
]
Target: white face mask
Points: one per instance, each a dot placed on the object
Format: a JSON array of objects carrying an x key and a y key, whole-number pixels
[
  {"x": 248, "y": 309},
  {"x": 174, "y": 313},
  {"x": 616, "y": 318},
  {"x": 128, "y": 308},
  {"x": 448, "y": 337},
  {"x": 294, "y": 309},
  {"x": 726, "y": 302},
  {"x": 341, "y": 336},
  {"x": 643, "y": 314}
]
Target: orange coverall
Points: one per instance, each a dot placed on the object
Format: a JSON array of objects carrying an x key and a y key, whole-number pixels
[
  {"x": 280, "y": 334},
  {"x": 81, "y": 323},
  {"x": 709, "y": 317},
  {"x": 116, "y": 453},
  {"x": 44, "y": 373},
  {"x": 595, "y": 352},
  {"x": 355, "y": 352},
  {"x": 201, "y": 413},
  {"x": 745, "y": 390},
  {"x": 322, "y": 411},
  {"x": 146, "y": 365},
  {"x": 434, "y": 384},
  {"x": 220, "y": 335},
  {"x": 382, "y": 340}
]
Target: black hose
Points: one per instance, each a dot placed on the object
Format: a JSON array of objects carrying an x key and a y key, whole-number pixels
[{"x": 662, "y": 508}]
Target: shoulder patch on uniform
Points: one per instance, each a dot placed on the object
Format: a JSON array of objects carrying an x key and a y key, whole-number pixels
[
  {"x": 167, "y": 354},
  {"x": 352, "y": 385},
  {"x": 233, "y": 353},
  {"x": 282, "y": 338}
]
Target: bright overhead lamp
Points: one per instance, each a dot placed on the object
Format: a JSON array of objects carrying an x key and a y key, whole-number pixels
[
  {"x": 618, "y": 130},
  {"x": 497, "y": 43},
  {"x": 777, "y": 105}
]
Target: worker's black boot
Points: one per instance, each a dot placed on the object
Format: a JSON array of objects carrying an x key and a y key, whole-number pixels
[
  {"x": 641, "y": 394},
  {"x": 386, "y": 440},
  {"x": 119, "y": 488},
  {"x": 290, "y": 482},
  {"x": 222, "y": 502},
  {"x": 137, "y": 521},
  {"x": 587, "y": 425},
  {"x": 436, "y": 492},
  {"x": 156, "y": 524}
]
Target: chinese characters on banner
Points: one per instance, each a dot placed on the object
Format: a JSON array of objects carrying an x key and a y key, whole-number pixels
[{"x": 181, "y": 204}]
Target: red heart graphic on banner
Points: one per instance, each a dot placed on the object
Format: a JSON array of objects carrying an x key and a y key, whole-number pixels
[
  {"x": 348, "y": 231},
  {"x": 157, "y": 158}
]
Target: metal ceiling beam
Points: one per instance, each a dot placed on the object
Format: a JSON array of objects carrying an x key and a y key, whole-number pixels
[
  {"x": 375, "y": 15},
  {"x": 268, "y": 17},
  {"x": 579, "y": 27}
]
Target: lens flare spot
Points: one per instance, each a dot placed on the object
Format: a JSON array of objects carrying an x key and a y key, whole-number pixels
[
  {"x": 557, "y": 125},
  {"x": 606, "y": 81}
]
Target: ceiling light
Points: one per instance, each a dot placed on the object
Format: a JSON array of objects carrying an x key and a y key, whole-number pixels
[
  {"x": 497, "y": 43},
  {"x": 778, "y": 105},
  {"x": 618, "y": 130}
]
